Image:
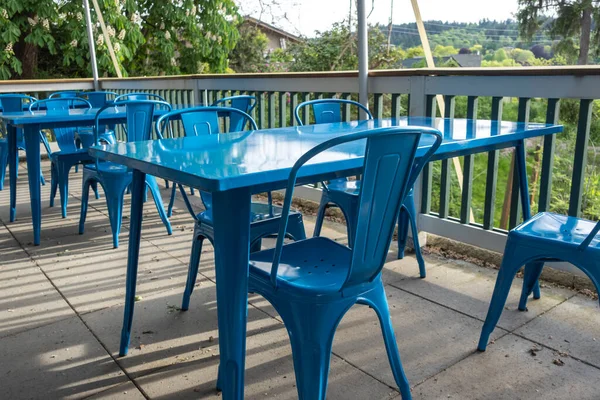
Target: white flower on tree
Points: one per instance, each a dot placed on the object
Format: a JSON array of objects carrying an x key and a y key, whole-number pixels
[
  {"x": 32, "y": 22},
  {"x": 79, "y": 16},
  {"x": 117, "y": 47},
  {"x": 173, "y": 61},
  {"x": 167, "y": 35},
  {"x": 4, "y": 13},
  {"x": 74, "y": 43},
  {"x": 100, "y": 40},
  {"x": 122, "y": 34},
  {"x": 9, "y": 48},
  {"x": 46, "y": 24}
]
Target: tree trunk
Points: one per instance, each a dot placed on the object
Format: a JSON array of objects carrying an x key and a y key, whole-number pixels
[
  {"x": 586, "y": 31},
  {"x": 28, "y": 54}
]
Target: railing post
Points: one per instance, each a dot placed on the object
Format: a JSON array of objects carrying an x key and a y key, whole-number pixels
[
  {"x": 445, "y": 185},
  {"x": 580, "y": 160},
  {"x": 417, "y": 100},
  {"x": 491, "y": 179},
  {"x": 548, "y": 157},
  {"x": 469, "y": 162}
]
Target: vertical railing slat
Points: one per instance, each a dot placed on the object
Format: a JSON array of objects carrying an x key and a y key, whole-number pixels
[
  {"x": 346, "y": 108},
  {"x": 378, "y": 105},
  {"x": 580, "y": 160},
  {"x": 515, "y": 204},
  {"x": 548, "y": 157},
  {"x": 261, "y": 110},
  {"x": 293, "y": 105},
  {"x": 427, "y": 180},
  {"x": 271, "y": 110},
  {"x": 491, "y": 179},
  {"x": 282, "y": 109},
  {"x": 469, "y": 161},
  {"x": 449, "y": 101},
  {"x": 396, "y": 108}
]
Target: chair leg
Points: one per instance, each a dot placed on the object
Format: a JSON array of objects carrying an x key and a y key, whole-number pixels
[
  {"x": 320, "y": 215},
  {"x": 166, "y": 183},
  {"x": 191, "y": 190},
  {"x": 531, "y": 278},
  {"x": 351, "y": 215},
  {"x": 378, "y": 301},
  {"x": 114, "y": 201},
  {"x": 63, "y": 185},
  {"x": 311, "y": 329},
  {"x": 53, "y": 183},
  {"x": 295, "y": 228},
  {"x": 409, "y": 203},
  {"x": 3, "y": 164},
  {"x": 402, "y": 231},
  {"x": 85, "y": 197},
  {"x": 95, "y": 189},
  {"x": 508, "y": 269},
  {"x": 192, "y": 270},
  {"x": 153, "y": 186},
  {"x": 256, "y": 245},
  {"x": 172, "y": 201},
  {"x": 42, "y": 180}
]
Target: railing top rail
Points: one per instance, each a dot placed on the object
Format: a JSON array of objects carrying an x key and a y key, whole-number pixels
[
  {"x": 588, "y": 70},
  {"x": 45, "y": 81}
]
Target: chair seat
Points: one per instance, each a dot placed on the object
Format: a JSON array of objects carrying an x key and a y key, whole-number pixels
[
  {"x": 258, "y": 212},
  {"x": 108, "y": 168},
  {"x": 560, "y": 230},
  {"x": 342, "y": 185},
  {"x": 317, "y": 265}
]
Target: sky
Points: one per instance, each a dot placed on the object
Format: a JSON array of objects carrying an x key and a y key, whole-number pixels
[{"x": 306, "y": 16}]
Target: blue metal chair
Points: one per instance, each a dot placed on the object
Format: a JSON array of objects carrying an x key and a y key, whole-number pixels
[
  {"x": 84, "y": 136},
  {"x": 543, "y": 238},
  {"x": 265, "y": 217},
  {"x": 68, "y": 155},
  {"x": 243, "y": 103},
  {"x": 236, "y": 122},
  {"x": 312, "y": 283},
  {"x": 13, "y": 103},
  {"x": 115, "y": 178},
  {"x": 64, "y": 94},
  {"x": 344, "y": 193},
  {"x": 139, "y": 96}
]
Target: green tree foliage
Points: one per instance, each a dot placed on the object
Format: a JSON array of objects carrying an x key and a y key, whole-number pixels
[
  {"x": 336, "y": 50},
  {"x": 150, "y": 37},
  {"x": 248, "y": 54},
  {"x": 572, "y": 25}
]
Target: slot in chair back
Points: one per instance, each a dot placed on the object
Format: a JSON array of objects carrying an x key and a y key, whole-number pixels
[
  {"x": 138, "y": 96},
  {"x": 389, "y": 172},
  {"x": 201, "y": 121},
  {"x": 327, "y": 110},
  {"x": 243, "y": 103},
  {"x": 65, "y": 137},
  {"x": 64, "y": 94},
  {"x": 98, "y": 99}
]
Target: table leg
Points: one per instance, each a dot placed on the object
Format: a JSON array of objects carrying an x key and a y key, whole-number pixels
[
  {"x": 526, "y": 207},
  {"x": 13, "y": 164},
  {"x": 231, "y": 216},
  {"x": 32, "y": 151},
  {"x": 138, "y": 189}
]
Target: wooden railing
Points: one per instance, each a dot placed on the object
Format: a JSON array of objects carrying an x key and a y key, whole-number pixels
[{"x": 490, "y": 93}]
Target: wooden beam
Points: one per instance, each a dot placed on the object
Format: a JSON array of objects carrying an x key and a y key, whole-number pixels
[{"x": 111, "y": 50}]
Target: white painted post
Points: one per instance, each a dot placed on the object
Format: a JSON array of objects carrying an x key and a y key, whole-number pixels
[
  {"x": 91, "y": 44},
  {"x": 363, "y": 56}
]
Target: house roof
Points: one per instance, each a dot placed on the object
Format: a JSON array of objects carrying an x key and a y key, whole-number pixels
[
  {"x": 463, "y": 60},
  {"x": 271, "y": 28}
]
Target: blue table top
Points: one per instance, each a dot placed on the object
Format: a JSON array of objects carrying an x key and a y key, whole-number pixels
[
  {"x": 74, "y": 116},
  {"x": 262, "y": 159}
]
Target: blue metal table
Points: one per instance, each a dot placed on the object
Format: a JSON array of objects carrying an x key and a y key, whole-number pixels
[
  {"x": 32, "y": 123},
  {"x": 234, "y": 166}
]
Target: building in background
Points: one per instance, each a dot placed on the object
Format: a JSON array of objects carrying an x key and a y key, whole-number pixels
[{"x": 278, "y": 38}]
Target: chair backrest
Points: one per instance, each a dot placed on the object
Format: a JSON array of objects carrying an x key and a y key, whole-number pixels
[
  {"x": 327, "y": 110},
  {"x": 243, "y": 103},
  {"x": 584, "y": 245},
  {"x": 64, "y": 94},
  {"x": 204, "y": 120},
  {"x": 97, "y": 99},
  {"x": 139, "y": 96},
  {"x": 389, "y": 170},
  {"x": 15, "y": 102},
  {"x": 65, "y": 137}
]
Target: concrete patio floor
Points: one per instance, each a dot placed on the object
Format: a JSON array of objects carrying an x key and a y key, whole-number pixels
[{"x": 61, "y": 309}]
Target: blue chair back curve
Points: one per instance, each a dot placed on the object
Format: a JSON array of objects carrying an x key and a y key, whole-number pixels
[
  {"x": 327, "y": 110},
  {"x": 389, "y": 172}
]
